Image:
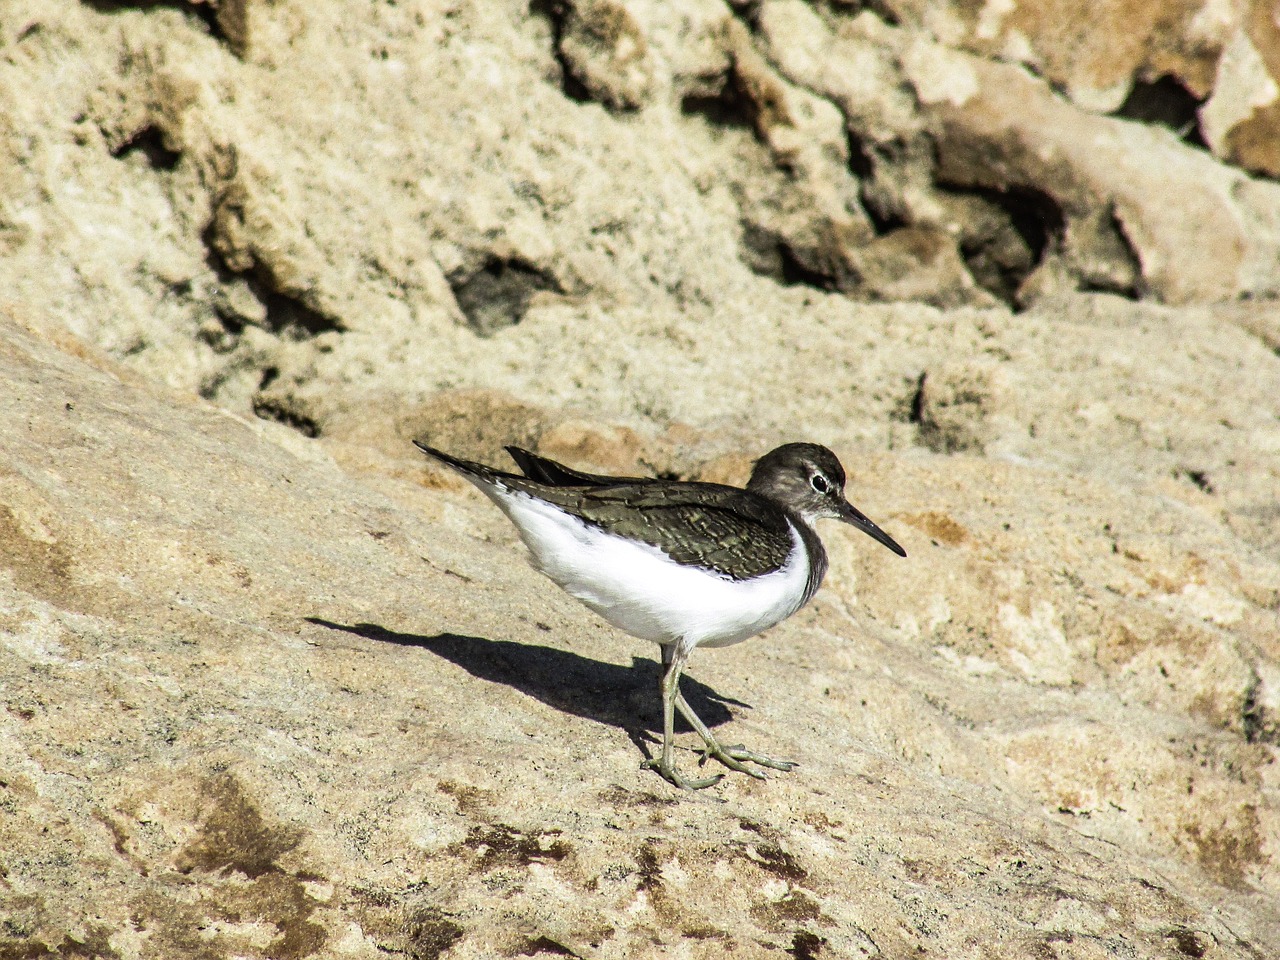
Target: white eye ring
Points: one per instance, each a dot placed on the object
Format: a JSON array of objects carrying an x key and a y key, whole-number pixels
[{"x": 820, "y": 483}]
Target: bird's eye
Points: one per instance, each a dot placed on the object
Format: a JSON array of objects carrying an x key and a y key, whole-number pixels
[{"x": 820, "y": 483}]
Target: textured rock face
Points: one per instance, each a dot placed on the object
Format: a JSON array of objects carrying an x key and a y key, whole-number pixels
[
  {"x": 1209, "y": 70},
  {"x": 273, "y": 686}
]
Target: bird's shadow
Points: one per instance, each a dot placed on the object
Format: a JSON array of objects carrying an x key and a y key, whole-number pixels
[{"x": 626, "y": 697}]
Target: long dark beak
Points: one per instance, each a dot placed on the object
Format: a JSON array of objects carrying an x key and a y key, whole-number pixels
[{"x": 852, "y": 515}]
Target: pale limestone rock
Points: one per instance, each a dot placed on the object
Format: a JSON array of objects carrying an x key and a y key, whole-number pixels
[{"x": 271, "y": 695}]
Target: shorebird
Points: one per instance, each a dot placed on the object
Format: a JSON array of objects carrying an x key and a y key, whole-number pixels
[{"x": 679, "y": 563}]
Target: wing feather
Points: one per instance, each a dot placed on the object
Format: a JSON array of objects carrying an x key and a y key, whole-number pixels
[{"x": 732, "y": 532}]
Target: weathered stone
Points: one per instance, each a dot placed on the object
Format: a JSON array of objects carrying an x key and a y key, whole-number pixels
[{"x": 270, "y": 694}]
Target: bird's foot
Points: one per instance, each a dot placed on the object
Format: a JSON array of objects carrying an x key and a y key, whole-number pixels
[
  {"x": 669, "y": 773},
  {"x": 733, "y": 757}
]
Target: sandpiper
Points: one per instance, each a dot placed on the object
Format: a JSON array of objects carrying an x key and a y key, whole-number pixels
[{"x": 679, "y": 563}]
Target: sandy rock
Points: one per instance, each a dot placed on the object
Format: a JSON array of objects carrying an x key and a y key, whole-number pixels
[
  {"x": 604, "y": 52},
  {"x": 1071, "y": 183},
  {"x": 996, "y": 139},
  {"x": 269, "y": 742},
  {"x": 276, "y": 686},
  {"x": 1239, "y": 120},
  {"x": 1126, "y": 43},
  {"x": 1201, "y": 68},
  {"x": 955, "y": 405}
]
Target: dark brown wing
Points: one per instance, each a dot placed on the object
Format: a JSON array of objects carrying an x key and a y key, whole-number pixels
[{"x": 733, "y": 532}]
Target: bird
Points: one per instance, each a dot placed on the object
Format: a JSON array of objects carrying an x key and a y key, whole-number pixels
[{"x": 683, "y": 564}]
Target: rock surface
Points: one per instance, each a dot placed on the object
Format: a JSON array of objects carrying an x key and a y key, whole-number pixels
[{"x": 274, "y": 686}]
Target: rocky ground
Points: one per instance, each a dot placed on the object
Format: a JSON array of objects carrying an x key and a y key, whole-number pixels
[{"x": 274, "y": 686}]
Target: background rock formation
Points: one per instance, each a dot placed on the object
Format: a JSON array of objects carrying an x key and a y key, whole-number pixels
[{"x": 273, "y": 686}]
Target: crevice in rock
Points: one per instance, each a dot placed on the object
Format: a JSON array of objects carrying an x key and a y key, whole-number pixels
[
  {"x": 868, "y": 160},
  {"x": 289, "y": 316},
  {"x": 1256, "y": 725},
  {"x": 1034, "y": 214},
  {"x": 286, "y": 410},
  {"x": 916, "y": 415},
  {"x": 768, "y": 254},
  {"x": 205, "y": 13},
  {"x": 284, "y": 313},
  {"x": 555, "y": 13},
  {"x": 884, "y": 219},
  {"x": 730, "y": 108},
  {"x": 1166, "y": 102},
  {"x": 1200, "y": 478},
  {"x": 496, "y": 295},
  {"x": 428, "y": 933},
  {"x": 806, "y": 945},
  {"x": 149, "y": 141},
  {"x": 795, "y": 274},
  {"x": 997, "y": 277},
  {"x": 747, "y": 12},
  {"x": 882, "y": 10},
  {"x": 862, "y": 162},
  {"x": 232, "y": 327},
  {"x": 1189, "y": 943},
  {"x": 545, "y": 946},
  {"x": 601, "y": 50},
  {"x": 1004, "y": 246}
]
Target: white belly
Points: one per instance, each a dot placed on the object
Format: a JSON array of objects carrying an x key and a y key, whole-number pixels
[{"x": 639, "y": 589}]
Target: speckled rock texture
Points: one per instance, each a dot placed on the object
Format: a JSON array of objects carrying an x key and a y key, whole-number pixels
[{"x": 274, "y": 686}]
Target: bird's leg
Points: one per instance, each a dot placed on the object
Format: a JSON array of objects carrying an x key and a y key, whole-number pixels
[
  {"x": 731, "y": 756},
  {"x": 674, "y": 656}
]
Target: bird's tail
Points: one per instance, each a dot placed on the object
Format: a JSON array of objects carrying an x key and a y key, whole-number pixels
[{"x": 477, "y": 473}]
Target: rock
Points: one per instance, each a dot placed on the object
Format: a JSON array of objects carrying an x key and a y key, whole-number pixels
[
  {"x": 1086, "y": 192},
  {"x": 273, "y": 685},
  {"x": 216, "y": 682},
  {"x": 1015, "y": 133},
  {"x": 955, "y": 405},
  {"x": 1239, "y": 120},
  {"x": 605, "y": 53},
  {"x": 1098, "y": 67}
]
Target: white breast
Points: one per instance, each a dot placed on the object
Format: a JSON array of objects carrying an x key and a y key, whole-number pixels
[{"x": 639, "y": 589}]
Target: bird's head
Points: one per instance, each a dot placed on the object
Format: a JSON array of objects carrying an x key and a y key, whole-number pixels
[{"x": 809, "y": 479}]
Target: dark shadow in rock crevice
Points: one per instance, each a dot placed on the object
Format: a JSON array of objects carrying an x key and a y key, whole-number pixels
[
  {"x": 149, "y": 141},
  {"x": 603, "y": 692},
  {"x": 289, "y": 316},
  {"x": 729, "y": 108},
  {"x": 497, "y": 294},
  {"x": 285, "y": 313},
  {"x": 1037, "y": 218},
  {"x": 769, "y": 253},
  {"x": 556, "y": 12},
  {"x": 227, "y": 21},
  {"x": 204, "y": 13},
  {"x": 1165, "y": 102},
  {"x": 1008, "y": 234}
]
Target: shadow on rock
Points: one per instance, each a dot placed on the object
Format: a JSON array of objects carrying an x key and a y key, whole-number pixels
[{"x": 626, "y": 697}]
